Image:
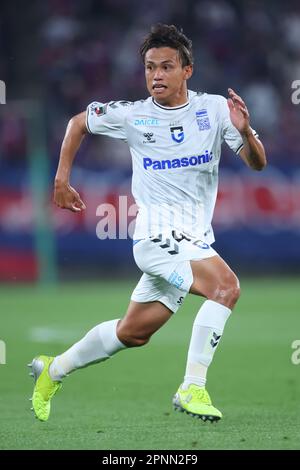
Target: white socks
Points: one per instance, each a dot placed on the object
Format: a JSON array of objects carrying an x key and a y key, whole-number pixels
[
  {"x": 207, "y": 330},
  {"x": 102, "y": 342},
  {"x": 98, "y": 344}
]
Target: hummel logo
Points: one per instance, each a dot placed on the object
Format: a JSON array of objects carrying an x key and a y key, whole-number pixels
[
  {"x": 149, "y": 137},
  {"x": 215, "y": 339}
]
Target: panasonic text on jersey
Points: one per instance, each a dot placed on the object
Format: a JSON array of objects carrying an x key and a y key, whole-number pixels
[{"x": 177, "y": 162}]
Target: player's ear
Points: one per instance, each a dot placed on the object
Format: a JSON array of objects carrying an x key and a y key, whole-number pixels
[{"x": 188, "y": 71}]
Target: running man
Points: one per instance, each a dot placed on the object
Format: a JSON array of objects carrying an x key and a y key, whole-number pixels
[{"x": 175, "y": 139}]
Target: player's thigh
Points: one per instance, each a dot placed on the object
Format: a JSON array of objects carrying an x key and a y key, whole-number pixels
[
  {"x": 143, "y": 319},
  {"x": 212, "y": 278},
  {"x": 168, "y": 257},
  {"x": 188, "y": 264},
  {"x": 153, "y": 301}
]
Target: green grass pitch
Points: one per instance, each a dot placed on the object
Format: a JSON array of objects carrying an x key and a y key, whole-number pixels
[{"x": 125, "y": 403}]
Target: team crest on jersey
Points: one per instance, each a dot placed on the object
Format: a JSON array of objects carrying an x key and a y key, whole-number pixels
[
  {"x": 177, "y": 134},
  {"x": 202, "y": 120}
]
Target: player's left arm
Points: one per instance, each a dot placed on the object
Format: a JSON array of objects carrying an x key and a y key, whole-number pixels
[{"x": 252, "y": 152}]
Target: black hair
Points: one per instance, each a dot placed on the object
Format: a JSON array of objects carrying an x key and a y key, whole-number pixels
[{"x": 164, "y": 35}]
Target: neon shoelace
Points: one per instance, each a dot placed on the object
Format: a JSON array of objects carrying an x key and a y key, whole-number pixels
[{"x": 202, "y": 395}]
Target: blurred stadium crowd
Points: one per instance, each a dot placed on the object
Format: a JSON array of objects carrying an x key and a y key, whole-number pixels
[{"x": 70, "y": 52}]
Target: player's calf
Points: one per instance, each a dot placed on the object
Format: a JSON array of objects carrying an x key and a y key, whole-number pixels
[
  {"x": 132, "y": 341},
  {"x": 141, "y": 321}
]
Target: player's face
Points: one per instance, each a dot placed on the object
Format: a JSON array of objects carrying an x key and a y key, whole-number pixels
[{"x": 165, "y": 76}]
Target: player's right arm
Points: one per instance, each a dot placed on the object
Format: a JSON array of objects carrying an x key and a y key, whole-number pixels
[
  {"x": 65, "y": 196},
  {"x": 99, "y": 118}
]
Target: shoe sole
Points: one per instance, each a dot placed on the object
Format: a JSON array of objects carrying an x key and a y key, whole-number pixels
[
  {"x": 33, "y": 366},
  {"x": 205, "y": 418}
]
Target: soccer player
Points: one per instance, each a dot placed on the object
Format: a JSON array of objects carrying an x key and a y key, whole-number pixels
[{"x": 175, "y": 139}]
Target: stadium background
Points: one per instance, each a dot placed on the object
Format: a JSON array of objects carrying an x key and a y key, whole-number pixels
[{"x": 57, "y": 56}]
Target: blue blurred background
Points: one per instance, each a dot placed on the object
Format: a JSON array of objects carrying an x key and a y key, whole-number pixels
[{"x": 57, "y": 56}]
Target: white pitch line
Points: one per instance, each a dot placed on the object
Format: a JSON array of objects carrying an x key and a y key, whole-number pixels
[{"x": 52, "y": 334}]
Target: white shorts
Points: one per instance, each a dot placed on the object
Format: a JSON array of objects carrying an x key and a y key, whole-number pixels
[{"x": 165, "y": 261}]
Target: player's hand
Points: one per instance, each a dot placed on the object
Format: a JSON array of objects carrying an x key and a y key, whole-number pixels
[
  {"x": 239, "y": 114},
  {"x": 67, "y": 197}
]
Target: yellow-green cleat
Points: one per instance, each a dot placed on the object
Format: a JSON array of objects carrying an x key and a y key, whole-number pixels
[
  {"x": 44, "y": 388},
  {"x": 196, "y": 402}
]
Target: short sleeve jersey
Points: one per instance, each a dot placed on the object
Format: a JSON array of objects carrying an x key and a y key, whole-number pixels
[{"x": 175, "y": 158}]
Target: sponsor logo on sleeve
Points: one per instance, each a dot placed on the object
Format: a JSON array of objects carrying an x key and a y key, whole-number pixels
[
  {"x": 98, "y": 109},
  {"x": 202, "y": 120}
]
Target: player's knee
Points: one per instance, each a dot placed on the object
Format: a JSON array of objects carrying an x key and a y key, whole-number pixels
[
  {"x": 227, "y": 292},
  {"x": 234, "y": 294}
]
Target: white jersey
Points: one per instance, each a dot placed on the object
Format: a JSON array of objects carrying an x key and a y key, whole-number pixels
[{"x": 175, "y": 158}]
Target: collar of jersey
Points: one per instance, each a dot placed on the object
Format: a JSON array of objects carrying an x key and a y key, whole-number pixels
[{"x": 168, "y": 108}]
